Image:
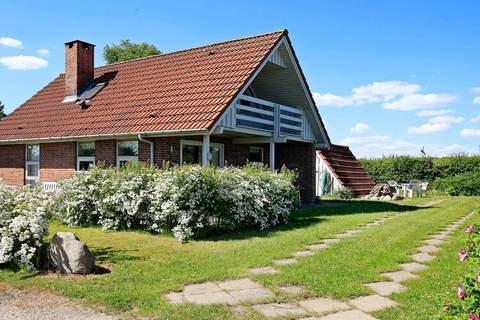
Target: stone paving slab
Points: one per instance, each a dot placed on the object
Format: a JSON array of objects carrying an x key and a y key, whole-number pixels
[
  {"x": 323, "y": 305},
  {"x": 174, "y": 298},
  {"x": 201, "y": 288},
  {"x": 273, "y": 310},
  {"x": 349, "y": 315},
  {"x": 428, "y": 249},
  {"x": 399, "y": 276},
  {"x": 303, "y": 253},
  {"x": 317, "y": 246},
  {"x": 372, "y": 303},
  {"x": 331, "y": 241},
  {"x": 251, "y": 295},
  {"x": 434, "y": 242},
  {"x": 264, "y": 270},
  {"x": 422, "y": 257},
  {"x": 386, "y": 288},
  {"x": 413, "y": 266},
  {"x": 293, "y": 290},
  {"x": 284, "y": 262},
  {"x": 211, "y": 298},
  {"x": 239, "y": 284},
  {"x": 440, "y": 236},
  {"x": 344, "y": 235}
]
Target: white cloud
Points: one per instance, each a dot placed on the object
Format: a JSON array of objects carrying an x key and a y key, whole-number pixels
[
  {"x": 380, "y": 145},
  {"x": 476, "y": 100},
  {"x": 10, "y": 42},
  {"x": 433, "y": 113},
  {"x": 22, "y": 62},
  {"x": 360, "y": 128},
  {"x": 476, "y": 90},
  {"x": 419, "y": 101},
  {"x": 331, "y": 100},
  {"x": 470, "y": 132},
  {"x": 383, "y": 91},
  {"x": 43, "y": 52},
  {"x": 475, "y": 119},
  {"x": 436, "y": 125},
  {"x": 395, "y": 95}
]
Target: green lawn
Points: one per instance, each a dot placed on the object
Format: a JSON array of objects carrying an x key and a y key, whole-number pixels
[{"x": 145, "y": 266}]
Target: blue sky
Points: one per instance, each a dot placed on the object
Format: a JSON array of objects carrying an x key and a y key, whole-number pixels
[{"x": 388, "y": 76}]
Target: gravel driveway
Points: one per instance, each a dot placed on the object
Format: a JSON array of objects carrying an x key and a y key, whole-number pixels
[{"x": 37, "y": 305}]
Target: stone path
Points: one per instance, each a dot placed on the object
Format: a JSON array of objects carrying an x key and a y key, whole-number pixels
[{"x": 247, "y": 292}]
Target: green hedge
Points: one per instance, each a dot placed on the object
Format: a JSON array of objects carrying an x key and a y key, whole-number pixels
[
  {"x": 405, "y": 168},
  {"x": 461, "y": 185}
]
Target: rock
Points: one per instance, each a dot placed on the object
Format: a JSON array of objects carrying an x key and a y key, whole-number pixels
[
  {"x": 68, "y": 254},
  {"x": 381, "y": 191},
  {"x": 387, "y": 198}
]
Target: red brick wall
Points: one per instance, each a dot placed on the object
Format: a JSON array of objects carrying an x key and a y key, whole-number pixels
[
  {"x": 106, "y": 152},
  {"x": 12, "y": 164},
  {"x": 57, "y": 161},
  {"x": 144, "y": 152},
  {"x": 301, "y": 157}
]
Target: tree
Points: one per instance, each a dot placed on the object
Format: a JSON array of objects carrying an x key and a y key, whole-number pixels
[
  {"x": 127, "y": 50},
  {"x": 2, "y": 110}
]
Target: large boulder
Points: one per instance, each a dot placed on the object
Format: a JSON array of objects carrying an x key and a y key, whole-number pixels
[{"x": 68, "y": 254}]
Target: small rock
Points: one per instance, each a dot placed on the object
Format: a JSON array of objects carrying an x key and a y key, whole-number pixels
[{"x": 68, "y": 254}]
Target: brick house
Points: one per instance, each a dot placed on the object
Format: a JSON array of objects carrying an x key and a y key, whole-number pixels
[{"x": 225, "y": 103}]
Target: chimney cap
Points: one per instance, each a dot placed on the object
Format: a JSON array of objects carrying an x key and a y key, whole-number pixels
[{"x": 76, "y": 40}]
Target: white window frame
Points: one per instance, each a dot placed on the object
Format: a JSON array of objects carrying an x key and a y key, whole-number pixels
[
  {"x": 127, "y": 158},
  {"x": 82, "y": 158},
  {"x": 200, "y": 143},
  {"x": 262, "y": 153},
  {"x": 32, "y": 162}
]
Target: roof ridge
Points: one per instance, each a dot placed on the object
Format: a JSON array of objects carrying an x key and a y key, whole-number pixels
[{"x": 285, "y": 31}]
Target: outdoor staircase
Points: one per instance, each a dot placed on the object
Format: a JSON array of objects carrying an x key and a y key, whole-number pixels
[{"x": 347, "y": 169}]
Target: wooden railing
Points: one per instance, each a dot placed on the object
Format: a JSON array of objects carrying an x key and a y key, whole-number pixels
[{"x": 265, "y": 115}]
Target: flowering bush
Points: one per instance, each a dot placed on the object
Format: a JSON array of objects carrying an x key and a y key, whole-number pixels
[
  {"x": 23, "y": 223},
  {"x": 467, "y": 304},
  {"x": 187, "y": 200}
]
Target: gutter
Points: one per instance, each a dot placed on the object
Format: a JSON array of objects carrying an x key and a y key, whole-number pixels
[{"x": 151, "y": 147}]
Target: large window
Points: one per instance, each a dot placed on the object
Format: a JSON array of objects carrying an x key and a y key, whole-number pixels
[
  {"x": 126, "y": 151},
  {"x": 32, "y": 165},
  {"x": 255, "y": 154},
  {"x": 191, "y": 153},
  {"x": 85, "y": 155}
]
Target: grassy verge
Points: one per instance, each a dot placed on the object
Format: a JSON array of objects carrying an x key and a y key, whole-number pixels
[{"x": 341, "y": 270}]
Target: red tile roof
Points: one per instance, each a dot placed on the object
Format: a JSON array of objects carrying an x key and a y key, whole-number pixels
[
  {"x": 347, "y": 169},
  {"x": 185, "y": 90}
]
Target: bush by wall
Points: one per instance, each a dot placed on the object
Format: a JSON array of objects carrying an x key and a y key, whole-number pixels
[
  {"x": 461, "y": 185},
  {"x": 23, "y": 223},
  {"x": 187, "y": 200},
  {"x": 405, "y": 168},
  {"x": 467, "y": 303}
]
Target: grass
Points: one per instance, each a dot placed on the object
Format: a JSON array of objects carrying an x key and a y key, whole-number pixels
[{"x": 145, "y": 266}]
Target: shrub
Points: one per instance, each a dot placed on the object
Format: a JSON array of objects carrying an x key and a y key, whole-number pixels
[
  {"x": 467, "y": 303},
  {"x": 343, "y": 193},
  {"x": 23, "y": 223},
  {"x": 462, "y": 185},
  {"x": 188, "y": 200}
]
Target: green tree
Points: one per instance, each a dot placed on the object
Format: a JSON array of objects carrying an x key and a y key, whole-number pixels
[
  {"x": 2, "y": 110},
  {"x": 127, "y": 50}
]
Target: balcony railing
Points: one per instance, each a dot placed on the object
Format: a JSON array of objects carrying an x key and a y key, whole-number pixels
[{"x": 254, "y": 113}]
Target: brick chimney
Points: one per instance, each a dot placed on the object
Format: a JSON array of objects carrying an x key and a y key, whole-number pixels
[{"x": 79, "y": 70}]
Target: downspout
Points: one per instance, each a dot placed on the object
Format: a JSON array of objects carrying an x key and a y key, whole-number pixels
[{"x": 151, "y": 147}]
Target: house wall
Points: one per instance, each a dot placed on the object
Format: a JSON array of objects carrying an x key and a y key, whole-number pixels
[
  {"x": 12, "y": 163},
  {"x": 57, "y": 161},
  {"x": 299, "y": 156}
]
